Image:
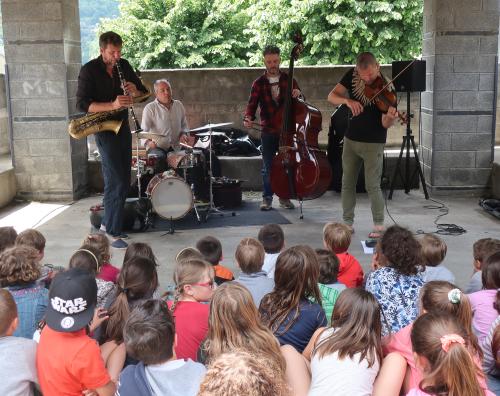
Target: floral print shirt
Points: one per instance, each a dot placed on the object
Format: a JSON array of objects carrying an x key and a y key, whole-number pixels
[{"x": 397, "y": 295}]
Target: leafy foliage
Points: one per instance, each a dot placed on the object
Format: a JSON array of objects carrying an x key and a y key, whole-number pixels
[
  {"x": 225, "y": 33},
  {"x": 91, "y": 11}
]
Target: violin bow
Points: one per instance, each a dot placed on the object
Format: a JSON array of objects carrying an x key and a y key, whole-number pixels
[{"x": 391, "y": 80}]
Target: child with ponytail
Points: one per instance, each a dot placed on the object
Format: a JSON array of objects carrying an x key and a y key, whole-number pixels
[
  {"x": 445, "y": 355},
  {"x": 399, "y": 369},
  {"x": 137, "y": 282},
  {"x": 194, "y": 284}
]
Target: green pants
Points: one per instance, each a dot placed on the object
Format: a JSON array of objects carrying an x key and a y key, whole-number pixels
[{"x": 353, "y": 156}]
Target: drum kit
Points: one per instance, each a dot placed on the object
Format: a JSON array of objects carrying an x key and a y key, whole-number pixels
[{"x": 187, "y": 185}]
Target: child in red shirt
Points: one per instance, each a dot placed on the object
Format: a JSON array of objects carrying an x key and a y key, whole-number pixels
[
  {"x": 211, "y": 249},
  {"x": 337, "y": 239},
  {"x": 194, "y": 284},
  {"x": 68, "y": 360},
  {"x": 100, "y": 242}
]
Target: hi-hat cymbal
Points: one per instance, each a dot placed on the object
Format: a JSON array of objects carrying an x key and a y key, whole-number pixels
[
  {"x": 212, "y": 133},
  {"x": 148, "y": 135},
  {"x": 210, "y": 126}
]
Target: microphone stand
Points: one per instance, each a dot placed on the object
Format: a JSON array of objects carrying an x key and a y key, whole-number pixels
[{"x": 212, "y": 209}]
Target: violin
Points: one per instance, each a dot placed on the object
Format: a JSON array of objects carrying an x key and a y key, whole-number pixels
[{"x": 379, "y": 94}]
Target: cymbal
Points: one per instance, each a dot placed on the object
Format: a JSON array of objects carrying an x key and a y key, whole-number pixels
[
  {"x": 148, "y": 135},
  {"x": 213, "y": 133},
  {"x": 211, "y": 126}
]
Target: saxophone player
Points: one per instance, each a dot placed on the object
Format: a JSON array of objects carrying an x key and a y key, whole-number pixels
[{"x": 100, "y": 90}]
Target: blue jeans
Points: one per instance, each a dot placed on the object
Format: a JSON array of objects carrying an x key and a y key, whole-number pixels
[
  {"x": 116, "y": 158},
  {"x": 270, "y": 145}
]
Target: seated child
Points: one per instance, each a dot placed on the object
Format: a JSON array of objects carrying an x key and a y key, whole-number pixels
[
  {"x": 19, "y": 271},
  {"x": 8, "y": 237},
  {"x": 483, "y": 301},
  {"x": 273, "y": 239},
  {"x": 87, "y": 258},
  {"x": 140, "y": 249},
  {"x": 211, "y": 249},
  {"x": 434, "y": 251},
  {"x": 149, "y": 337},
  {"x": 328, "y": 284},
  {"x": 35, "y": 239},
  {"x": 194, "y": 285},
  {"x": 250, "y": 257},
  {"x": 240, "y": 373},
  {"x": 68, "y": 361},
  {"x": 18, "y": 365},
  {"x": 292, "y": 311},
  {"x": 100, "y": 243},
  {"x": 481, "y": 250},
  {"x": 443, "y": 352},
  {"x": 337, "y": 239}
]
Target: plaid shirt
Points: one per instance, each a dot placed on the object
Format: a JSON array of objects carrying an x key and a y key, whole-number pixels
[{"x": 261, "y": 95}]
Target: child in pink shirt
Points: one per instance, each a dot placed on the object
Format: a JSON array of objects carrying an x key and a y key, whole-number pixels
[
  {"x": 483, "y": 301},
  {"x": 399, "y": 369},
  {"x": 100, "y": 243},
  {"x": 446, "y": 357}
]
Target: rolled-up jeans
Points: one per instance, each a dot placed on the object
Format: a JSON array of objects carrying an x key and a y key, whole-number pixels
[
  {"x": 116, "y": 158},
  {"x": 353, "y": 156}
]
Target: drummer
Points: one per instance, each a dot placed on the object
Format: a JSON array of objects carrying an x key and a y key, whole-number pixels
[{"x": 165, "y": 117}]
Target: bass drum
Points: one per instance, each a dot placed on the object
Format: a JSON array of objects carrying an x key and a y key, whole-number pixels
[{"x": 171, "y": 197}]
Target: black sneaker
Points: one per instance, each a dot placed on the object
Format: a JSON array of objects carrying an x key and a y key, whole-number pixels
[
  {"x": 266, "y": 204},
  {"x": 119, "y": 244}
]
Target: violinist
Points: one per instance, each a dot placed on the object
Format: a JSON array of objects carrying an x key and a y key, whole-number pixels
[
  {"x": 269, "y": 91},
  {"x": 364, "y": 139}
]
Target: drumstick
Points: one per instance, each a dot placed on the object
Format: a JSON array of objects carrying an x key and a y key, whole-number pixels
[{"x": 185, "y": 145}]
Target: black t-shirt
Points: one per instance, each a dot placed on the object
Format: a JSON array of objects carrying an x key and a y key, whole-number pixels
[
  {"x": 366, "y": 127},
  {"x": 96, "y": 85}
]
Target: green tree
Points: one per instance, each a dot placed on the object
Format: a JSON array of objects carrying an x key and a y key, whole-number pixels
[
  {"x": 224, "y": 33},
  {"x": 182, "y": 33}
]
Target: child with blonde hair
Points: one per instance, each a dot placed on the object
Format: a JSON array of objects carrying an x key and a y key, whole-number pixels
[
  {"x": 188, "y": 253},
  {"x": 446, "y": 357},
  {"x": 234, "y": 323},
  {"x": 100, "y": 243},
  {"x": 337, "y": 239},
  {"x": 293, "y": 311},
  {"x": 434, "y": 251},
  {"x": 250, "y": 258},
  {"x": 239, "y": 373},
  {"x": 194, "y": 285}
]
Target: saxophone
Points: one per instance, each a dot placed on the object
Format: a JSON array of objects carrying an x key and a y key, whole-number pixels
[{"x": 91, "y": 123}]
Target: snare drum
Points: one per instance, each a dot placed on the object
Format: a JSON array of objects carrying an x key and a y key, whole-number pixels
[{"x": 171, "y": 197}]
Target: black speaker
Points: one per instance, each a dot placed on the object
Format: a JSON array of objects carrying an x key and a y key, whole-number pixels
[{"x": 412, "y": 79}]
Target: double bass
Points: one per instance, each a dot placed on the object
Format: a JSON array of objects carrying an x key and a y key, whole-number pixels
[{"x": 300, "y": 170}]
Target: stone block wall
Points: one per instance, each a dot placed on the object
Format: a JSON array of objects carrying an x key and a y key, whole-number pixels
[
  {"x": 42, "y": 50},
  {"x": 4, "y": 119},
  {"x": 460, "y": 46}
]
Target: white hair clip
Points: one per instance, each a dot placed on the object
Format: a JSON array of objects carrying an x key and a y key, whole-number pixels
[{"x": 454, "y": 296}]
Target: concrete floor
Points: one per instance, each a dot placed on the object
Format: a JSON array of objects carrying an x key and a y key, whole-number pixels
[{"x": 65, "y": 227}]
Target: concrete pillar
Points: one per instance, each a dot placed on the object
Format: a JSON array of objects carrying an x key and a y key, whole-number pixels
[
  {"x": 460, "y": 42},
  {"x": 42, "y": 51}
]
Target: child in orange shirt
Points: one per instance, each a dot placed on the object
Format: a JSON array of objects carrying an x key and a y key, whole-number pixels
[
  {"x": 337, "y": 239},
  {"x": 69, "y": 361},
  {"x": 211, "y": 249}
]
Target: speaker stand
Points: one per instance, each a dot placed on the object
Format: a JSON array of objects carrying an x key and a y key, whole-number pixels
[{"x": 408, "y": 140}]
